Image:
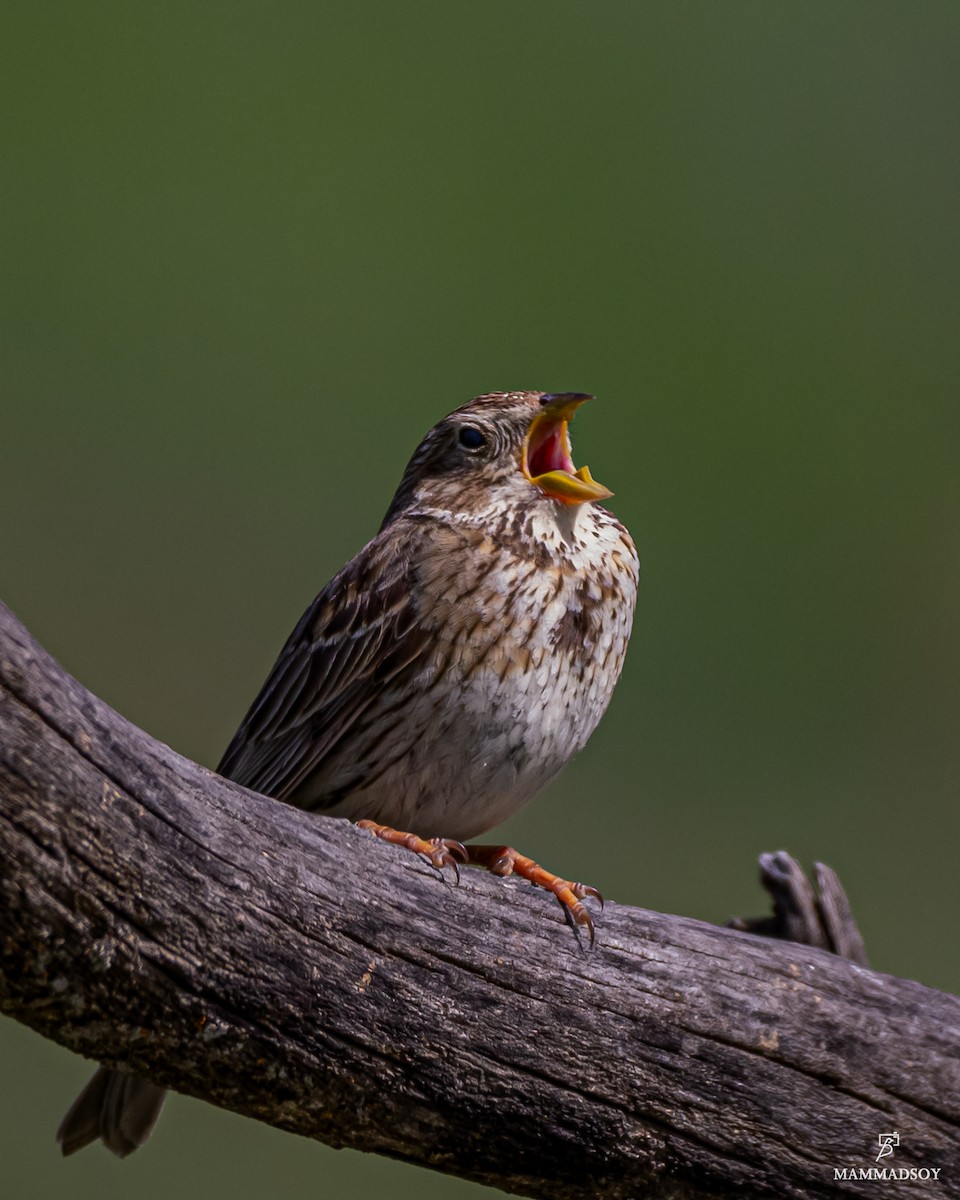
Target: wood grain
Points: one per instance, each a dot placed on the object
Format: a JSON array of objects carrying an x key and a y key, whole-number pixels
[{"x": 287, "y": 967}]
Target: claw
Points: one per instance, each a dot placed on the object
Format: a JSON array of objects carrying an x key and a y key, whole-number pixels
[
  {"x": 504, "y": 860},
  {"x": 446, "y": 853},
  {"x": 436, "y": 852},
  {"x": 575, "y": 917},
  {"x": 583, "y": 890}
]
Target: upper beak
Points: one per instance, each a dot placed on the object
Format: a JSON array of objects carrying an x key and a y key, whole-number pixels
[{"x": 546, "y": 459}]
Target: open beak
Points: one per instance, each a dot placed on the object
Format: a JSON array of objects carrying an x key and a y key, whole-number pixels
[{"x": 546, "y": 459}]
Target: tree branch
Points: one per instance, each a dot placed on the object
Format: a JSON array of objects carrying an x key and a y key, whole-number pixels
[{"x": 285, "y": 966}]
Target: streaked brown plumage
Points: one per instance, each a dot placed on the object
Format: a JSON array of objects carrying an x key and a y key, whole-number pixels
[{"x": 446, "y": 673}]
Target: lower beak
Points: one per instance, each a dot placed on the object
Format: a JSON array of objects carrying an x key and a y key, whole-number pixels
[{"x": 546, "y": 457}]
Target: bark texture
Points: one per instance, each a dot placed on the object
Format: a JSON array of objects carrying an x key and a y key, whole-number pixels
[{"x": 155, "y": 916}]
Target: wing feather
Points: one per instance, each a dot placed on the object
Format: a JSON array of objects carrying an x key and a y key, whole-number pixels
[{"x": 356, "y": 636}]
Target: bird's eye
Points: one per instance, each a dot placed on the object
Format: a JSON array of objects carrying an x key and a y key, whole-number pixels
[{"x": 471, "y": 437}]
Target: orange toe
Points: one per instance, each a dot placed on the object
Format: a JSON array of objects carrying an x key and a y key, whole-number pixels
[
  {"x": 438, "y": 852},
  {"x": 504, "y": 860}
]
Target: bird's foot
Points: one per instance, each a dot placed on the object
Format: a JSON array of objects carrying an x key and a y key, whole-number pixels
[
  {"x": 438, "y": 852},
  {"x": 504, "y": 860}
]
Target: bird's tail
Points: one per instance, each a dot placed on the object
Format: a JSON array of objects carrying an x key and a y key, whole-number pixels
[{"x": 119, "y": 1109}]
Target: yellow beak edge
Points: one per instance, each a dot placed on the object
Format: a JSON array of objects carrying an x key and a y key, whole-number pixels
[{"x": 571, "y": 487}]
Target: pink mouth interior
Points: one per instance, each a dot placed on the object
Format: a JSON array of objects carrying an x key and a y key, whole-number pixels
[{"x": 549, "y": 453}]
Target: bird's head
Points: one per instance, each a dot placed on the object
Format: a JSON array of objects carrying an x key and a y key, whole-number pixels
[{"x": 504, "y": 449}]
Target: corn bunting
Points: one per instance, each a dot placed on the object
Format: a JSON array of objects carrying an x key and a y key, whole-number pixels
[{"x": 445, "y": 674}]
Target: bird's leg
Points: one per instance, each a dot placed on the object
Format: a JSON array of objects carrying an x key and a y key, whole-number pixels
[
  {"x": 438, "y": 852},
  {"x": 504, "y": 860}
]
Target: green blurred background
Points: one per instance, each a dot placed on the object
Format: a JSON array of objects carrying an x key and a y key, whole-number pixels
[{"x": 252, "y": 251}]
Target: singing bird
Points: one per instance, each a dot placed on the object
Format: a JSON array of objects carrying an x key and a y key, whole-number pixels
[{"x": 445, "y": 674}]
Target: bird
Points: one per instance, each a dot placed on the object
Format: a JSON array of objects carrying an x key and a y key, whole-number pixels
[{"x": 445, "y": 674}]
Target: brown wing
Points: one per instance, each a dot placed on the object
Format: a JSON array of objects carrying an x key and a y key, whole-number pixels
[{"x": 353, "y": 639}]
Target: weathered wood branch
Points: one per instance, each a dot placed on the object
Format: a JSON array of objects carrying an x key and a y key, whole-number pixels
[{"x": 156, "y": 916}]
